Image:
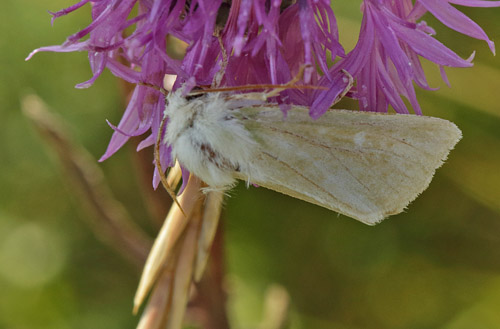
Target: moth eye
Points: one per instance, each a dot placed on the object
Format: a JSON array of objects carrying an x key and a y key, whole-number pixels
[
  {"x": 195, "y": 96},
  {"x": 190, "y": 97}
]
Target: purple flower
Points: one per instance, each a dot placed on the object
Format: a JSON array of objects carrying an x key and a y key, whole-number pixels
[
  {"x": 268, "y": 41},
  {"x": 386, "y": 59}
]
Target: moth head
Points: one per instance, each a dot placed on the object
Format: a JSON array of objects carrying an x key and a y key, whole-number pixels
[
  {"x": 177, "y": 101},
  {"x": 174, "y": 102}
]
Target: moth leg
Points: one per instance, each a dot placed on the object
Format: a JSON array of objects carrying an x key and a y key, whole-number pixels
[
  {"x": 163, "y": 179},
  {"x": 220, "y": 74},
  {"x": 350, "y": 83},
  {"x": 287, "y": 85},
  {"x": 157, "y": 88}
]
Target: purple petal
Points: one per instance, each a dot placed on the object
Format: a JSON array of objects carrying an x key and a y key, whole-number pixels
[
  {"x": 326, "y": 98},
  {"x": 428, "y": 47},
  {"x": 185, "y": 179},
  {"x": 165, "y": 161},
  {"x": 98, "y": 64},
  {"x": 67, "y": 10},
  {"x": 456, "y": 20},
  {"x": 128, "y": 123},
  {"x": 476, "y": 3},
  {"x": 122, "y": 71},
  {"x": 243, "y": 18},
  {"x": 444, "y": 76},
  {"x": 59, "y": 49},
  {"x": 148, "y": 141}
]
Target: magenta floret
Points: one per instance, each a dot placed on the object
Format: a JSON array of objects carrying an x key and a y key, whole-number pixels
[{"x": 268, "y": 42}]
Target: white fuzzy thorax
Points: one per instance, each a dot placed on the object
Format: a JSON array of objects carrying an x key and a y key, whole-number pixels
[{"x": 207, "y": 139}]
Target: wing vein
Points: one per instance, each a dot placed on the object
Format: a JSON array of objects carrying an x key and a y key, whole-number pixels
[
  {"x": 325, "y": 147},
  {"x": 300, "y": 175}
]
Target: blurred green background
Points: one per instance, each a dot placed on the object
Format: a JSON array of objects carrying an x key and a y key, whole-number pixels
[{"x": 435, "y": 266}]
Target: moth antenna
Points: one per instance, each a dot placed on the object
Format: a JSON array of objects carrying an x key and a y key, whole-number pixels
[
  {"x": 163, "y": 179},
  {"x": 276, "y": 88},
  {"x": 299, "y": 74},
  {"x": 248, "y": 87},
  {"x": 350, "y": 83},
  {"x": 160, "y": 89}
]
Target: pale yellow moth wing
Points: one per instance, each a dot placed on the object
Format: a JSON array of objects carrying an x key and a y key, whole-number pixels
[{"x": 364, "y": 165}]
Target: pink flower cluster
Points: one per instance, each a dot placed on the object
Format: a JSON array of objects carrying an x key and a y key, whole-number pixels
[{"x": 267, "y": 42}]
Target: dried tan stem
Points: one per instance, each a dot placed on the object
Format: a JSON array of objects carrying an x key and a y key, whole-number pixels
[
  {"x": 183, "y": 276},
  {"x": 109, "y": 221},
  {"x": 174, "y": 175},
  {"x": 167, "y": 237},
  {"x": 211, "y": 215},
  {"x": 208, "y": 307},
  {"x": 160, "y": 302}
]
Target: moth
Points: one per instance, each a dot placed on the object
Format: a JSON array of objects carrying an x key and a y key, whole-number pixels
[{"x": 364, "y": 165}]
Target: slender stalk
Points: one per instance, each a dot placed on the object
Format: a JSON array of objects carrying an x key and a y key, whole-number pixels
[
  {"x": 166, "y": 239},
  {"x": 210, "y": 300},
  {"x": 109, "y": 220}
]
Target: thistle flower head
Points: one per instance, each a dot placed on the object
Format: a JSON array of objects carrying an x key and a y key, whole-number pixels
[{"x": 267, "y": 41}]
